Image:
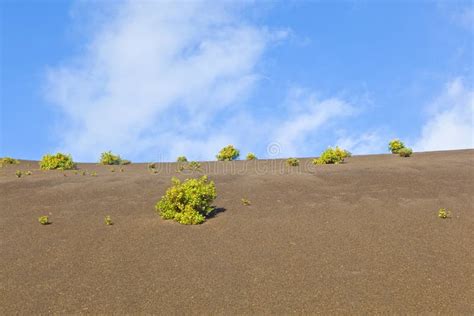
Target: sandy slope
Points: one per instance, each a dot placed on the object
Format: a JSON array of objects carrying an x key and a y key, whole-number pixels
[{"x": 362, "y": 237}]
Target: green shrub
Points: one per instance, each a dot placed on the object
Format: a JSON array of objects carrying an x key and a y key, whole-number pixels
[
  {"x": 443, "y": 213},
  {"x": 332, "y": 156},
  {"x": 43, "y": 220},
  {"x": 28, "y": 173},
  {"x": 405, "y": 152},
  {"x": 18, "y": 173},
  {"x": 228, "y": 153},
  {"x": 58, "y": 161},
  {"x": 293, "y": 162},
  {"x": 395, "y": 145},
  {"x": 182, "y": 159},
  {"x": 125, "y": 162},
  {"x": 187, "y": 202},
  {"x": 108, "y": 158},
  {"x": 251, "y": 156},
  {"x": 108, "y": 220},
  {"x": 8, "y": 161}
]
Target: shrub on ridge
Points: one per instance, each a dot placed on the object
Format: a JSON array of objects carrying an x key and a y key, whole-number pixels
[
  {"x": 228, "y": 153},
  {"x": 395, "y": 145},
  {"x": 59, "y": 161}
]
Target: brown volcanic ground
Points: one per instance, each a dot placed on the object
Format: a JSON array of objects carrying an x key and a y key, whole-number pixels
[{"x": 362, "y": 237}]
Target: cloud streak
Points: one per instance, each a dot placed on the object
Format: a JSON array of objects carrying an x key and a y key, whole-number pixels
[{"x": 450, "y": 120}]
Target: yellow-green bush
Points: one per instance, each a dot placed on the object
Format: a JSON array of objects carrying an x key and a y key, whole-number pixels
[
  {"x": 251, "y": 156},
  {"x": 59, "y": 161},
  {"x": 228, "y": 153},
  {"x": 293, "y": 162},
  {"x": 443, "y": 213},
  {"x": 43, "y": 220},
  {"x": 405, "y": 152},
  {"x": 182, "y": 159},
  {"x": 8, "y": 161},
  {"x": 332, "y": 156},
  {"x": 395, "y": 145},
  {"x": 188, "y": 202},
  {"x": 108, "y": 158}
]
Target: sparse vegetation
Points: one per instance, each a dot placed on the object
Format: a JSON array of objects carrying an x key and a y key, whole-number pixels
[
  {"x": 8, "y": 161},
  {"x": 125, "y": 162},
  {"x": 59, "y": 161},
  {"x": 108, "y": 220},
  {"x": 228, "y": 153},
  {"x": 94, "y": 174},
  {"x": 187, "y": 202},
  {"x": 18, "y": 173},
  {"x": 405, "y": 152},
  {"x": 395, "y": 145},
  {"x": 28, "y": 173},
  {"x": 332, "y": 156},
  {"x": 83, "y": 173},
  {"x": 251, "y": 156},
  {"x": 245, "y": 202},
  {"x": 182, "y": 159},
  {"x": 443, "y": 213},
  {"x": 293, "y": 162},
  {"x": 43, "y": 220},
  {"x": 112, "y": 169}
]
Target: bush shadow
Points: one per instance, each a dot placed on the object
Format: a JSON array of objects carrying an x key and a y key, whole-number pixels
[{"x": 215, "y": 212}]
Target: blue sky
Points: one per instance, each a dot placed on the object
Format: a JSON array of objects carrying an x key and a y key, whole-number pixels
[{"x": 153, "y": 80}]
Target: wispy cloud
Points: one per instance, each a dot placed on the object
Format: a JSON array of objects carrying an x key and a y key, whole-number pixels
[
  {"x": 450, "y": 122},
  {"x": 154, "y": 78},
  {"x": 308, "y": 114}
]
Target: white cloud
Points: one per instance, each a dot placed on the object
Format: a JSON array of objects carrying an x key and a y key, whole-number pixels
[
  {"x": 450, "y": 121},
  {"x": 155, "y": 76},
  {"x": 370, "y": 142},
  {"x": 307, "y": 116}
]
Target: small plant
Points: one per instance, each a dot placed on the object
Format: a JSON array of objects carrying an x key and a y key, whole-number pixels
[
  {"x": 43, "y": 220},
  {"x": 332, "y": 156},
  {"x": 182, "y": 159},
  {"x": 395, "y": 145},
  {"x": 228, "y": 153},
  {"x": 8, "y": 161},
  {"x": 58, "y": 161},
  {"x": 75, "y": 172},
  {"x": 94, "y": 174},
  {"x": 108, "y": 220},
  {"x": 28, "y": 173},
  {"x": 443, "y": 213},
  {"x": 152, "y": 165},
  {"x": 83, "y": 172},
  {"x": 187, "y": 202},
  {"x": 405, "y": 152},
  {"x": 292, "y": 162},
  {"x": 251, "y": 156},
  {"x": 122, "y": 170},
  {"x": 18, "y": 173},
  {"x": 125, "y": 162},
  {"x": 112, "y": 169},
  {"x": 245, "y": 202},
  {"x": 108, "y": 158}
]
